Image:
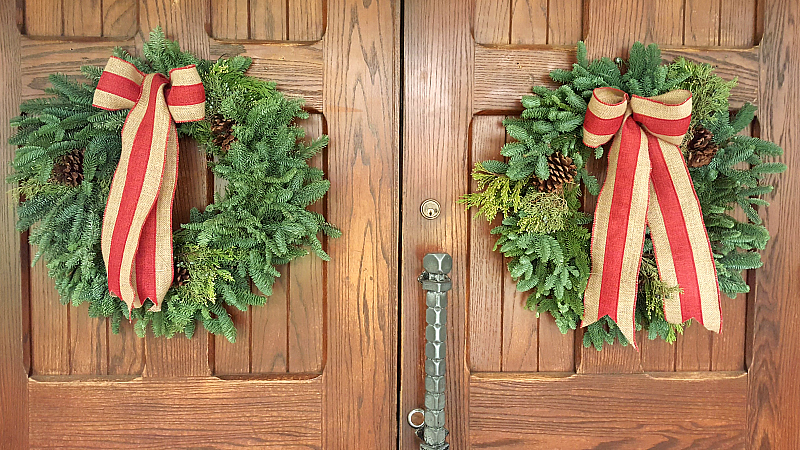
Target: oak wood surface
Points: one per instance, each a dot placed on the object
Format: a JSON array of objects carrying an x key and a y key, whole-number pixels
[
  {"x": 176, "y": 413},
  {"x": 607, "y": 411},
  {"x": 268, "y": 20},
  {"x": 361, "y": 106},
  {"x": 120, "y": 18},
  {"x": 437, "y": 101},
  {"x": 774, "y": 391},
  {"x": 486, "y": 269},
  {"x": 13, "y": 364}
]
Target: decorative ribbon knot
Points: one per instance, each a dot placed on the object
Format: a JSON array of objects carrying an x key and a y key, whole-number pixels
[
  {"x": 137, "y": 225},
  {"x": 647, "y": 183}
]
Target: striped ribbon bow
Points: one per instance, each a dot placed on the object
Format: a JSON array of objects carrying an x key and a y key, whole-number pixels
[
  {"x": 647, "y": 184},
  {"x": 137, "y": 225}
]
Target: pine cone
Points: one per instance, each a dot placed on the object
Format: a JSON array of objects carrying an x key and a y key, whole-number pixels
[
  {"x": 562, "y": 171},
  {"x": 222, "y": 132},
  {"x": 68, "y": 169},
  {"x": 181, "y": 276},
  {"x": 701, "y": 148}
]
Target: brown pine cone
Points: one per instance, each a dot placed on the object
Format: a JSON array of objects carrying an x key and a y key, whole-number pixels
[
  {"x": 222, "y": 132},
  {"x": 562, "y": 171},
  {"x": 68, "y": 169},
  {"x": 181, "y": 276},
  {"x": 701, "y": 148}
]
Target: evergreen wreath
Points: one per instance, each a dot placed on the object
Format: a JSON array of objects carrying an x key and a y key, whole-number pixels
[
  {"x": 69, "y": 150},
  {"x": 537, "y": 188}
]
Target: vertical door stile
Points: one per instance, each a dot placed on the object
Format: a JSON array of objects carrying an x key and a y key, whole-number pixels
[
  {"x": 361, "y": 106},
  {"x": 437, "y": 110},
  {"x": 13, "y": 374}
]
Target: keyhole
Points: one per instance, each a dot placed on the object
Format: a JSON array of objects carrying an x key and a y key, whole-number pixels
[{"x": 430, "y": 209}]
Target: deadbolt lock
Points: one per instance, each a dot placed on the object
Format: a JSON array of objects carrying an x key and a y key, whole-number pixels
[{"x": 430, "y": 209}]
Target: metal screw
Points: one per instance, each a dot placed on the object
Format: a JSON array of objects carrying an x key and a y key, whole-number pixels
[{"x": 430, "y": 209}]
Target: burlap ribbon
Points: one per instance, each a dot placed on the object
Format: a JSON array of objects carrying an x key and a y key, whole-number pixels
[
  {"x": 645, "y": 160},
  {"x": 137, "y": 226}
]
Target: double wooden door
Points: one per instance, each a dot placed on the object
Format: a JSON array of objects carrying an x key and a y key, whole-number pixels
[{"x": 334, "y": 360}]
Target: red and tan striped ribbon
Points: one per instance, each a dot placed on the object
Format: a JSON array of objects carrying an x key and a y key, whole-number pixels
[
  {"x": 647, "y": 183},
  {"x": 137, "y": 225}
]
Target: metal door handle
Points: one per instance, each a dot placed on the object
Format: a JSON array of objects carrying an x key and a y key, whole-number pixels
[{"x": 436, "y": 283}]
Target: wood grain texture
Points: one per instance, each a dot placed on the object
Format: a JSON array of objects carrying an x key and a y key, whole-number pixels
[
  {"x": 233, "y": 358},
  {"x": 180, "y": 413},
  {"x": 503, "y": 74},
  {"x": 438, "y": 65},
  {"x": 702, "y": 23},
  {"x": 306, "y": 20},
  {"x": 774, "y": 391},
  {"x": 556, "y": 350},
  {"x": 40, "y": 58},
  {"x": 120, "y": 18},
  {"x": 607, "y": 411},
  {"x": 520, "y": 330},
  {"x": 125, "y": 351},
  {"x": 13, "y": 364},
  {"x": 268, "y": 20},
  {"x": 43, "y": 17},
  {"x": 230, "y": 19},
  {"x": 183, "y": 20},
  {"x": 83, "y": 18},
  {"x": 656, "y": 355},
  {"x": 529, "y": 21},
  {"x": 486, "y": 267},
  {"x": 282, "y": 63},
  {"x": 611, "y": 27},
  {"x": 307, "y": 282},
  {"x": 361, "y": 104},
  {"x": 269, "y": 330},
  {"x": 738, "y": 20},
  {"x": 49, "y": 325},
  {"x": 492, "y": 21},
  {"x": 88, "y": 341},
  {"x": 565, "y": 22}
]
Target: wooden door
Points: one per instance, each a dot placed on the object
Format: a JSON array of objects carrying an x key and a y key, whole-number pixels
[
  {"x": 514, "y": 381},
  {"x": 313, "y": 365}
]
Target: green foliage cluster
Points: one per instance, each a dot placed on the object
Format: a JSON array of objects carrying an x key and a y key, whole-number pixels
[
  {"x": 260, "y": 222},
  {"x": 548, "y": 244}
]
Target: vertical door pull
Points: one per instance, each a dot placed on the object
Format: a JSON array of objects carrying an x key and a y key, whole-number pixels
[{"x": 436, "y": 283}]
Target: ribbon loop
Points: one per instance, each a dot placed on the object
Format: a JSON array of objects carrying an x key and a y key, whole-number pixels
[
  {"x": 137, "y": 226},
  {"x": 647, "y": 183}
]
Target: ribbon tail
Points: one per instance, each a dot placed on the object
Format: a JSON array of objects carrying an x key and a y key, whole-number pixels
[
  {"x": 618, "y": 232},
  {"x": 134, "y": 192},
  {"x": 159, "y": 236},
  {"x": 680, "y": 241}
]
